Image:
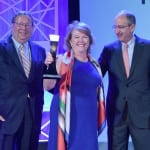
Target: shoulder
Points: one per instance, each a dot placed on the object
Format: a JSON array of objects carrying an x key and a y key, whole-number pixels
[
  {"x": 6, "y": 42},
  {"x": 113, "y": 44},
  {"x": 142, "y": 41},
  {"x": 111, "y": 47},
  {"x": 6, "y": 45},
  {"x": 36, "y": 48},
  {"x": 63, "y": 64},
  {"x": 59, "y": 59}
]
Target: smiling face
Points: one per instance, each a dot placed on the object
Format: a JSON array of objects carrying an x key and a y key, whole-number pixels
[
  {"x": 79, "y": 41},
  {"x": 123, "y": 30},
  {"x": 22, "y": 28}
]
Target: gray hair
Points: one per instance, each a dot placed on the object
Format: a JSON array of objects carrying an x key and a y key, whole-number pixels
[{"x": 130, "y": 16}]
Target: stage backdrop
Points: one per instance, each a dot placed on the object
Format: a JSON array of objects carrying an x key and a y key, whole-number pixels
[
  {"x": 100, "y": 14},
  {"x": 51, "y": 17}
]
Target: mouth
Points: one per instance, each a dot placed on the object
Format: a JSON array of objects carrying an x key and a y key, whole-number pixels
[
  {"x": 81, "y": 45},
  {"x": 119, "y": 35},
  {"x": 22, "y": 32}
]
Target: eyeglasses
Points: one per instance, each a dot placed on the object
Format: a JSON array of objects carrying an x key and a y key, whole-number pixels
[
  {"x": 119, "y": 26},
  {"x": 23, "y": 24}
]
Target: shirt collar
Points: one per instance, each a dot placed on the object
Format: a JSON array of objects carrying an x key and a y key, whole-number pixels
[
  {"x": 131, "y": 42},
  {"x": 17, "y": 44}
]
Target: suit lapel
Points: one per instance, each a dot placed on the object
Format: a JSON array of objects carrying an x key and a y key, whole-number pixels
[
  {"x": 119, "y": 59},
  {"x": 11, "y": 50},
  {"x": 34, "y": 52},
  {"x": 137, "y": 54},
  {"x": 32, "y": 60}
]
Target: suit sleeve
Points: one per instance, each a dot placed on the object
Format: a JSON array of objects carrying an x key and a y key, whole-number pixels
[{"x": 103, "y": 60}]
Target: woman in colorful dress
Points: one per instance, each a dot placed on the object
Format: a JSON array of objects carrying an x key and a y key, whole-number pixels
[{"x": 77, "y": 113}]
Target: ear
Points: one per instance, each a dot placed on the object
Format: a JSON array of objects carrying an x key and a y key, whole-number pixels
[{"x": 132, "y": 27}]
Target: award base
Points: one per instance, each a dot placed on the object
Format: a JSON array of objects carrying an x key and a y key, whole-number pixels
[{"x": 50, "y": 72}]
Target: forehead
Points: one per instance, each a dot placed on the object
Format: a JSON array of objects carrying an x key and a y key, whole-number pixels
[
  {"x": 23, "y": 18},
  {"x": 78, "y": 32},
  {"x": 121, "y": 20}
]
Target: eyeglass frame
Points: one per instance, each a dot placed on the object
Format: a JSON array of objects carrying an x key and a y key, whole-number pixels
[
  {"x": 120, "y": 26},
  {"x": 23, "y": 24}
]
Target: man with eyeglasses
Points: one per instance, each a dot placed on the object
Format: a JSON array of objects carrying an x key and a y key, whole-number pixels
[
  {"x": 21, "y": 87},
  {"x": 127, "y": 62}
]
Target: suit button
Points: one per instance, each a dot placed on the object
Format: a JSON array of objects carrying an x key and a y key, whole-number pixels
[{"x": 28, "y": 96}]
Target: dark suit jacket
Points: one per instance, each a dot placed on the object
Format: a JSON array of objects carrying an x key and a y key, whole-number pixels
[
  {"x": 135, "y": 90},
  {"x": 15, "y": 86}
]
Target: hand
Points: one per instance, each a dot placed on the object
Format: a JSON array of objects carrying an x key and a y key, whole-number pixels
[
  {"x": 49, "y": 59},
  {"x": 2, "y": 119}
]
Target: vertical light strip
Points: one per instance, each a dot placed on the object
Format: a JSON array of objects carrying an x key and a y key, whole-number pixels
[{"x": 56, "y": 17}]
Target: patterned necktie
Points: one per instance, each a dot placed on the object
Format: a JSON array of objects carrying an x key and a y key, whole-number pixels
[
  {"x": 126, "y": 59},
  {"x": 26, "y": 63}
]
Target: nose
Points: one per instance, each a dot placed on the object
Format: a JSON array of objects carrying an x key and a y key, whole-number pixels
[
  {"x": 23, "y": 26},
  {"x": 116, "y": 30},
  {"x": 81, "y": 39}
]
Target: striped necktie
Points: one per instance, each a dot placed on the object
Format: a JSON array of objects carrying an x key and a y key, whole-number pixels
[
  {"x": 26, "y": 63},
  {"x": 126, "y": 59}
]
